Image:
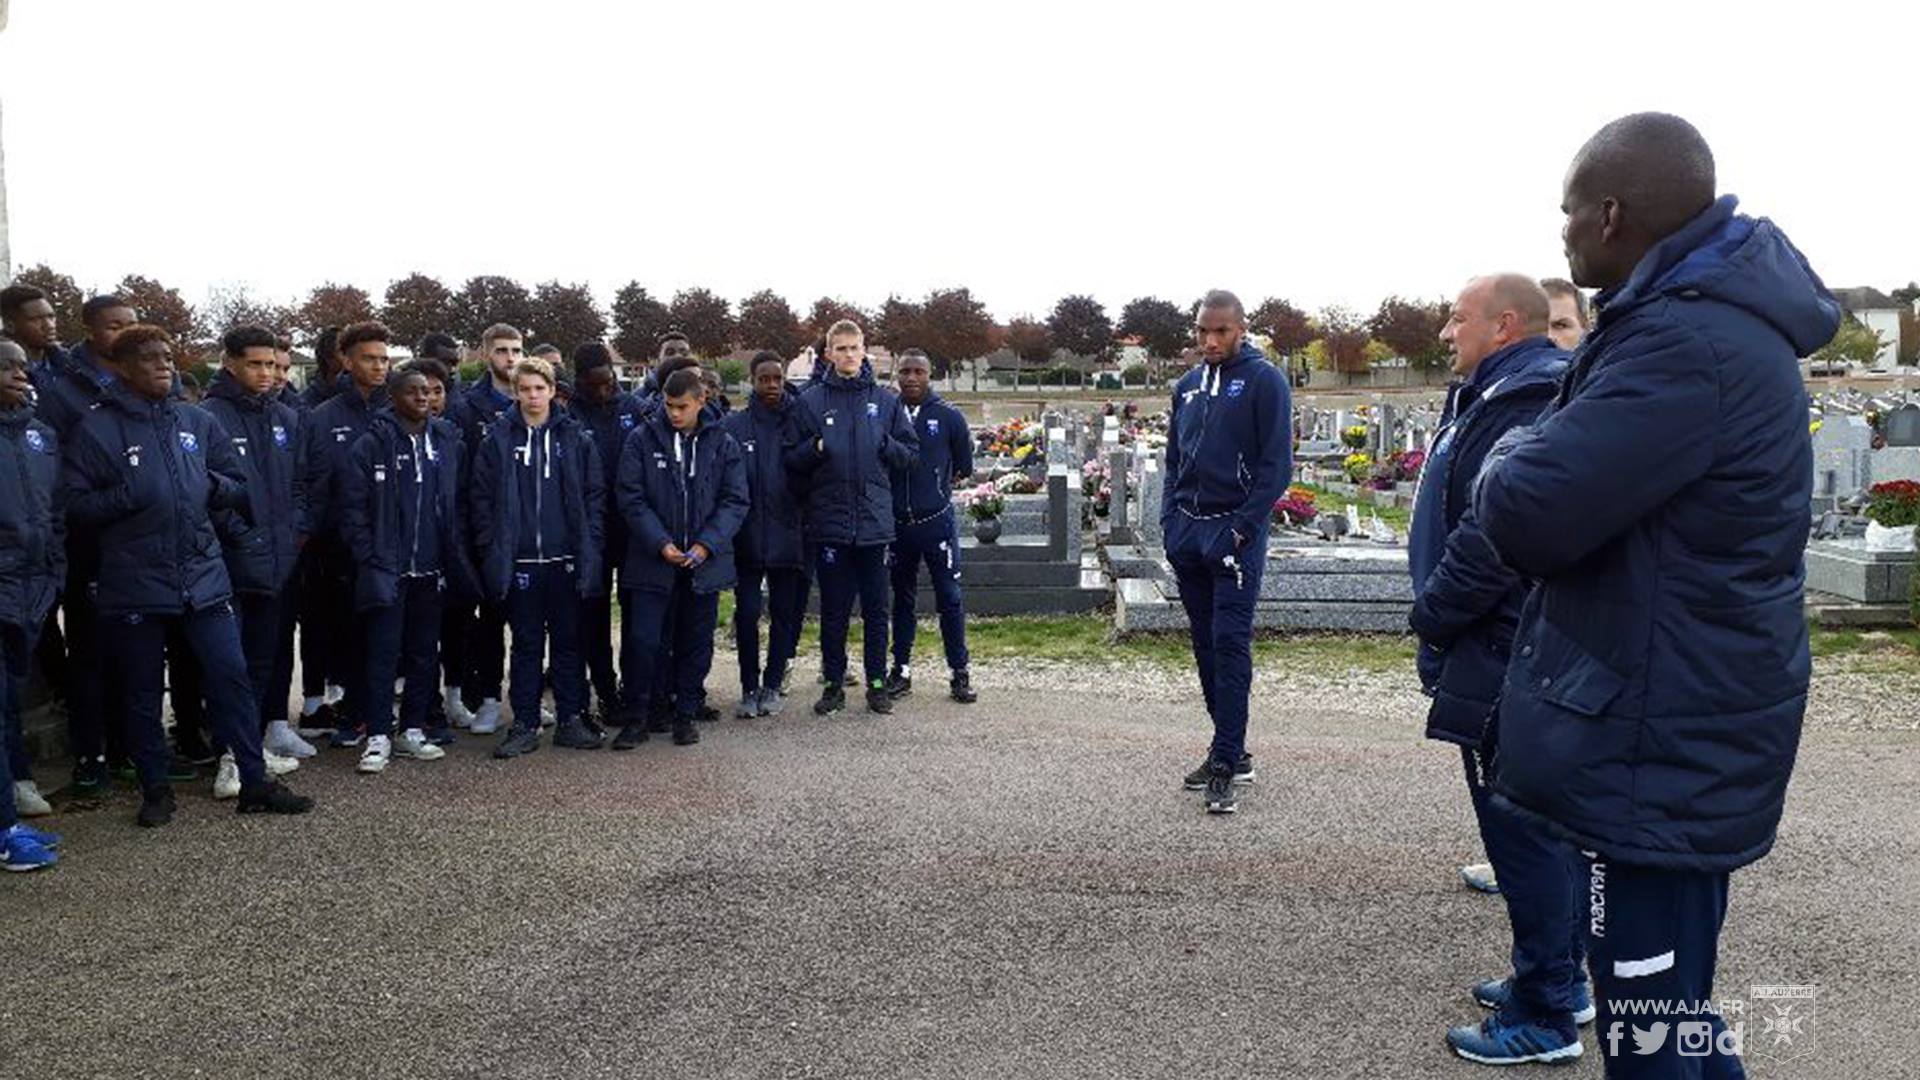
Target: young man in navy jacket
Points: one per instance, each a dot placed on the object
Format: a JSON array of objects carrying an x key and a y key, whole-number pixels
[
  {"x": 769, "y": 549},
  {"x": 1229, "y": 458},
  {"x": 683, "y": 493},
  {"x": 610, "y": 415},
  {"x": 475, "y": 413},
  {"x": 457, "y": 601},
  {"x": 32, "y": 562},
  {"x": 326, "y": 446},
  {"x": 539, "y": 521},
  {"x": 402, "y": 526},
  {"x": 148, "y": 473},
  {"x": 848, "y": 437},
  {"x": 262, "y": 543},
  {"x": 926, "y": 531}
]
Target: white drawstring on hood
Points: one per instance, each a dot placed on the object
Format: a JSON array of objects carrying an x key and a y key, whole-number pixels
[
  {"x": 546, "y": 448},
  {"x": 1212, "y": 371},
  {"x": 693, "y": 467}
]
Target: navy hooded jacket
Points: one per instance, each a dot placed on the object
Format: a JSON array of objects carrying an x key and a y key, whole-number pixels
[
  {"x": 502, "y": 514},
  {"x": 70, "y": 385},
  {"x": 263, "y": 431},
  {"x": 849, "y": 434},
  {"x": 399, "y": 513},
  {"x": 771, "y": 537},
  {"x": 148, "y": 476},
  {"x": 684, "y": 490},
  {"x": 326, "y": 452},
  {"x": 1229, "y": 444},
  {"x": 925, "y": 490},
  {"x": 1467, "y": 601},
  {"x": 610, "y": 425},
  {"x": 33, "y": 552},
  {"x": 1652, "y": 711}
]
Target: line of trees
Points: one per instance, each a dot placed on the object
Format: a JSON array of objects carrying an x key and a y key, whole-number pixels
[{"x": 951, "y": 325}]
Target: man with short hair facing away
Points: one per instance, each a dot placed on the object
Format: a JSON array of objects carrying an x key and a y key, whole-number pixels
[
  {"x": 849, "y": 436},
  {"x": 1652, "y": 711},
  {"x": 925, "y": 527},
  {"x": 148, "y": 473},
  {"x": 683, "y": 493},
  {"x": 1229, "y": 458},
  {"x": 483, "y": 406},
  {"x": 403, "y": 527},
  {"x": 32, "y": 564},
  {"x": 262, "y": 543},
  {"x": 770, "y": 550},
  {"x": 1567, "y": 314},
  {"x": 539, "y": 506},
  {"x": 1466, "y": 606},
  {"x": 610, "y": 415},
  {"x": 326, "y": 444}
]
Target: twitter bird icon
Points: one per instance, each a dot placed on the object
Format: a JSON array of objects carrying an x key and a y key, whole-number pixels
[{"x": 1651, "y": 1040}]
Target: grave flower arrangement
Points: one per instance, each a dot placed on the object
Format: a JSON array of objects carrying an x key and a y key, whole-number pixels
[
  {"x": 1097, "y": 486},
  {"x": 1016, "y": 483},
  {"x": 1893, "y": 508},
  {"x": 982, "y": 502},
  {"x": 1355, "y": 437},
  {"x": 1359, "y": 468},
  {"x": 1296, "y": 507}
]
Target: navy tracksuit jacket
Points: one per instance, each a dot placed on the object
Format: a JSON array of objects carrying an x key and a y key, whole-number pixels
[{"x": 926, "y": 529}]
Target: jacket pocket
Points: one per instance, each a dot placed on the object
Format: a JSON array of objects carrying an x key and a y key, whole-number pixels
[{"x": 1565, "y": 674}]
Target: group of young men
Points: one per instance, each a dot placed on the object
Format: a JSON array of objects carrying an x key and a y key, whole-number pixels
[{"x": 401, "y": 526}]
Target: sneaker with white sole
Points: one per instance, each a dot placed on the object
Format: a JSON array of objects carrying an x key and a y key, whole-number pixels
[
  {"x": 413, "y": 743},
  {"x": 378, "y": 753},
  {"x": 486, "y": 718},
  {"x": 280, "y": 738},
  {"x": 548, "y": 716},
  {"x": 226, "y": 779},
  {"x": 278, "y": 764},
  {"x": 27, "y": 800},
  {"x": 457, "y": 711}
]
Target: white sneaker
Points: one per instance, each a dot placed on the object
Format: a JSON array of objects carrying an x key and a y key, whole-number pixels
[
  {"x": 278, "y": 764},
  {"x": 281, "y": 739},
  {"x": 379, "y": 751},
  {"x": 486, "y": 719},
  {"x": 548, "y": 717},
  {"x": 226, "y": 782},
  {"x": 27, "y": 800},
  {"x": 333, "y": 694},
  {"x": 457, "y": 711},
  {"x": 413, "y": 743}
]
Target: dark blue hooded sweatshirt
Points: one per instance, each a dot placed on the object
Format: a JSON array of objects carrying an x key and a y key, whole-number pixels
[
  {"x": 1652, "y": 710},
  {"x": 1229, "y": 444},
  {"x": 264, "y": 433},
  {"x": 681, "y": 489},
  {"x": 1468, "y": 601},
  {"x": 849, "y": 434},
  {"x": 771, "y": 537},
  {"x": 32, "y": 530},
  {"x": 924, "y": 490},
  {"x": 538, "y": 494},
  {"x": 148, "y": 476}
]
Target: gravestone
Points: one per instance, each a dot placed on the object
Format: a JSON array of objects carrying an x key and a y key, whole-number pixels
[
  {"x": 1152, "y": 485},
  {"x": 1893, "y": 463},
  {"x": 1841, "y": 462},
  {"x": 1119, "y": 526},
  {"x": 1902, "y": 426},
  {"x": 1382, "y": 445}
]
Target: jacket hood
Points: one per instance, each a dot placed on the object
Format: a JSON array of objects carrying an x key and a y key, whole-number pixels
[
  {"x": 557, "y": 420},
  {"x": 227, "y": 388},
  {"x": 16, "y": 419},
  {"x": 1738, "y": 260},
  {"x": 1526, "y": 363},
  {"x": 858, "y": 382},
  {"x": 757, "y": 408},
  {"x": 126, "y": 401}
]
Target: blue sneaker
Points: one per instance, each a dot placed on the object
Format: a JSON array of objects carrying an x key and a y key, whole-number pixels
[
  {"x": 1494, "y": 994},
  {"x": 1499, "y": 1041},
  {"x": 39, "y": 836},
  {"x": 19, "y": 851}
]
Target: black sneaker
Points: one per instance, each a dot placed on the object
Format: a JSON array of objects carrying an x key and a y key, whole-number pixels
[
  {"x": 1220, "y": 798},
  {"x": 631, "y": 735},
  {"x": 878, "y": 698},
  {"x": 832, "y": 699},
  {"x": 270, "y": 796},
  {"x": 318, "y": 724},
  {"x": 573, "y": 734},
  {"x": 441, "y": 734},
  {"x": 960, "y": 688},
  {"x": 90, "y": 777},
  {"x": 707, "y": 714},
  {"x": 1242, "y": 773},
  {"x": 660, "y": 721},
  {"x": 156, "y": 807},
  {"x": 684, "y": 733},
  {"x": 899, "y": 684},
  {"x": 191, "y": 746},
  {"x": 519, "y": 740},
  {"x": 596, "y": 722}
]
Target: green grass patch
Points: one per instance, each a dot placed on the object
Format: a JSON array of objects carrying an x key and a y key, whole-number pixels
[{"x": 1331, "y": 502}]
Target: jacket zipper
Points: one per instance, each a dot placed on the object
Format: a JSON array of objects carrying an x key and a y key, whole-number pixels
[{"x": 414, "y": 558}]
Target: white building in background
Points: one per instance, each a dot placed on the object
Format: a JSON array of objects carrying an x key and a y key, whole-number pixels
[{"x": 1879, "y": 313}]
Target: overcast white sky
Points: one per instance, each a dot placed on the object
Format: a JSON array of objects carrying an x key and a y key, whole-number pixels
[{"x": 1325, "y": 153}]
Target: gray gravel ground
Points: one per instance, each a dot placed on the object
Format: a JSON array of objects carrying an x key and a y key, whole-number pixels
[{"x": 1012, "y": 889}]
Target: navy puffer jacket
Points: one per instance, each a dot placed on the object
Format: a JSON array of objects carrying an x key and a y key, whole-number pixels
[
  {"x": 381, "y": 521},
  {"x": 264, "y": 433},
  {"x": 849, "y": 434},
  {"x": 326, "y": 443},
  {"x": 496, "y": 506},
  {"x": 148, "y": 476},
  {"x": 32, "y": 531},
  {"x": 684, "y": 490},
  {"x": 1653, "y": 708},
  {"x": 771, "y": 537}
]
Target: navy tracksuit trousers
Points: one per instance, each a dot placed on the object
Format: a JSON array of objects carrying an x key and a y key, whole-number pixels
[
  {"x": 844, "y": 572},
  {"x": 785, "y": 601},
  {"x": 543, "y": 605},
  {"x": 935, "y": 542},
  {"x": 212, "y": 636},
  {"x": 261, "y": 622},
  {"x": 403, "y": 640},
  {"x": 662, "y": 629},
  {"x": 1218, "y": 586}
]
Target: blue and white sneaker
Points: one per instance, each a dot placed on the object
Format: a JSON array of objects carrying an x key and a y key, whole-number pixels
[
  {"x": 1494, "y": 994},
  {"x": 40, "y": 836},
  {"x": 1498, "y": 1041},
  {"x": 1480, "y": 878},
  {"x": 20, "y": 851}
]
